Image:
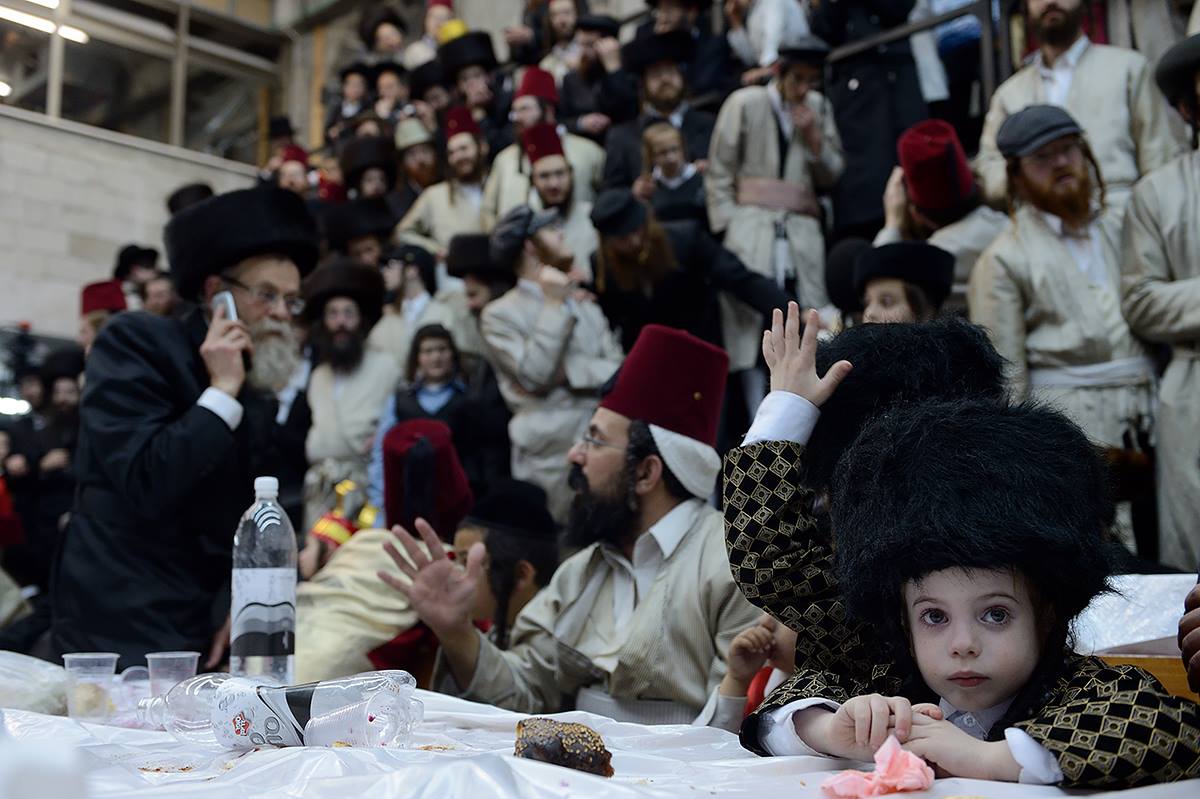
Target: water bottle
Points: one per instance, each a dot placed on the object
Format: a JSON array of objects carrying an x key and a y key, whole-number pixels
[
  {"x": 263, "y": 612},
  {"x": 220, "y": 711}
]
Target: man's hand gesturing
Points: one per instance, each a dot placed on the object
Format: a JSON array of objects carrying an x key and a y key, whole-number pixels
[
  {"x": 440, "y": 590},
  {"x": 792, "y": 358}
]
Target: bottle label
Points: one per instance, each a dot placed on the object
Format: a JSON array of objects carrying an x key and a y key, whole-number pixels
[
  {"x": 249, "y": 715},
  {"x": 263, "y": 613}
]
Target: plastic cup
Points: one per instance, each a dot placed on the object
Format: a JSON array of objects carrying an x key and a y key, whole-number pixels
[
  {"x": 168, "y": 669},
  {"x": 90, "y": 684}
]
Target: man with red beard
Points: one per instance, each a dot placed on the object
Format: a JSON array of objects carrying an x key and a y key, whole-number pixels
[
  {"x": 1110, "y": 90},
  {"x": 1048, "y": 289},
  {"x": 418, "y": 165},
  {"x": 343, "y": 301}
]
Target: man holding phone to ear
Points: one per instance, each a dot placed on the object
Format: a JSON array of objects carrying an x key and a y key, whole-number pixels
[{"x": 175, "y": 423}]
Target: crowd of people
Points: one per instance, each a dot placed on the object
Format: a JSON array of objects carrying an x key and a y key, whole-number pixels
[{"x": 502, "y": 340}]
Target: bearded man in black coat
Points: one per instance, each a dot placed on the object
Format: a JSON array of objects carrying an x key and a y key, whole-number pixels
[{"x": 176, "y": 421}]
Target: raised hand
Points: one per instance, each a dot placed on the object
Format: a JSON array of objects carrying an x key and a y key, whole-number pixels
[
  {"x": 440, "y": 590},
  {"x": 792, "y": 358}
]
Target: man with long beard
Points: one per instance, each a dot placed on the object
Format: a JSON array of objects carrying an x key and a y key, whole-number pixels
[
  {"x": 173, "y": 430},
  {"x": 343, "y": 301},
  {"x": 635, "y": 626},
  {"x": 452, "y": 207},
  {"x": 1048, "y": 289},
  {"x": 1110, "y": 90}
]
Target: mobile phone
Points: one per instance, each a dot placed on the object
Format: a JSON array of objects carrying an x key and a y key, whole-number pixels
[{"x": 224, "y": 299}]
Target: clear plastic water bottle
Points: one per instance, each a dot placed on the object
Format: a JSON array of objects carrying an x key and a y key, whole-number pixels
[
  {"x": 219, "y": 711},
  {"x": 263, "y": 611}
]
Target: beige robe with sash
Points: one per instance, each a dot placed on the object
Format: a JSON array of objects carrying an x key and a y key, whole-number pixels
[
  {"x": 668, "y": 658},
  {"x": 1160, "y": 285},
  {"x": 746, "y": 144}
]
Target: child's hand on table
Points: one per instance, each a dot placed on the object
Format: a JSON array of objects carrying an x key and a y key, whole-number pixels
[
  {"x": 860, "y": 726},
  {"x": 954, "y": 753}
]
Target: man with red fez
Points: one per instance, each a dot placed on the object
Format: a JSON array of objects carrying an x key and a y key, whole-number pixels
[
  {"x": 97, "y": 304},
  {"x": 1110, "y": 90},
  {"x": 636, "y": 625},
  {"x": 1160, "y": 295},
  {"x": 1048, "y": 289},
  {"x": 452, "y": 207},
  {"x": 342, "y": 302},
  {"x": 175, "y": 423},
  {"x": 933, "y": 195},
  {"x": 774, "y": 149},
  {"x": 508, "y": 184}
]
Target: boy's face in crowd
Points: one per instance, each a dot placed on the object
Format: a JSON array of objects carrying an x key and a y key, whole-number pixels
[
  {"x": 435, "y": 362},
  {"x": 373, "y": 184},
  {"x": 437, "y": 97},
  {"x": 796, "y": 81},
  {"x": 669, "y": 156},
  {"x": 884, "y": 300},
  {"x": 551, "y": 178},
  {"x": 391, "y": 87},
  {"x": 367, "y": 250},
  {"x": 974, "y": 635},
  {"x": 485, "y": 601},
  {"x": 293, "y": 176},
  {"x": 354, "y": 87},
  {"x": 388, "y": 38}
]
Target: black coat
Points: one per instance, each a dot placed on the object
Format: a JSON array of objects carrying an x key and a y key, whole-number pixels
[
  {"x": 145, "y": 561},
  {"x": 714, "y": 70},
  {"x": 876, "y": 96},
  {"x": 685, "y": 201},
  {"x": 687, "y": 297},
  {"x": 612, "y": 94},
  {"x": 623, "y": 151}
]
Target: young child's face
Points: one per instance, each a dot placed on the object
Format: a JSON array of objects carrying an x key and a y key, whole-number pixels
[{"x": 974, "y": 635}]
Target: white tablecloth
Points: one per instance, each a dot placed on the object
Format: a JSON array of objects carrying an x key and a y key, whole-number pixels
[{"x": 462, "y": 749}]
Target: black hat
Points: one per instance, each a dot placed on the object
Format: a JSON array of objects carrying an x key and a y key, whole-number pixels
[
  {"x": 1032, "y": 127},
  {"x": 1176, "y": 71},
  {"x": 375, "y": 16},
  {"x": 514, "y": 229},
  {"x": 279, "y": 127},
  {"x": 897, "y": 363},
  {"x": 806, "y": 49},
  {"x": 917, "y": 262},
  {"x": 839, "y": 274},
  {"x": 424, "y": 78},
  {"x": 598, "y": 23},
  {"x": 132, "y": 255},
  {"x": 617, "y": 212},
  {"x": 651, "y": 48},
  {"x": 388, "y": 66},
  {"x": 971, "y": 485},
  {"x": 355, "y": 68},
  {"x": 188, "y": 195},
  {"x": 421, "y": 258},
  {"x": 217, "y": 234},
  {"x": 469, "y": 50},
  {"x": 361, "y": 153},
  {"x": 344, "y": 277},
  {"x": 351, "y": 220},
  {"x": 65, "y": 362},
  {"x": 471, "y": 254},
  {"x": 514, "y": 507}
]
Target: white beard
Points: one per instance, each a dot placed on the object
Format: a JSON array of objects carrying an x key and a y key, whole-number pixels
[{"x": 275, "y": 356}]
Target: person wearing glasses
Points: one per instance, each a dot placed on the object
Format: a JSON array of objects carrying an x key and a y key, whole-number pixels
[
  {"x": 177, "y": 419},
  {"x": 1049, "y": 290}
]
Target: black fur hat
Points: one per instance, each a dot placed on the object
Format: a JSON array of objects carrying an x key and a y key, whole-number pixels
[
  {"x": 469, "y": 50},
  {"x": 361, "y": 153},
  {"x": 344, "y": 277},
  {"x": 897, "y": 363},
  {"x": 188, "y": 195},
  {"x": 415, "y": 255},
  {"x": 351, "y": 220},
  {"x": 215, "y": 235},
  {"x": 975, "y": 485},
  {"x": 517, "y": 508}
]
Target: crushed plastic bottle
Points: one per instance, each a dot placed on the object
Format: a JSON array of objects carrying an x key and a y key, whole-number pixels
[{"x": 219, "y": 711}]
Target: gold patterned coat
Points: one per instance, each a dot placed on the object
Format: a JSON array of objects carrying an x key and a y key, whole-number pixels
[{"x": 1107, "y": 726}]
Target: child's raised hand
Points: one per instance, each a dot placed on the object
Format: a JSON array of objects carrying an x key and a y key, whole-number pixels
[
  {"x": 749, "y": 651},
  {"x": 954, "y": 753},
  {"x": 791, "y": 355}
]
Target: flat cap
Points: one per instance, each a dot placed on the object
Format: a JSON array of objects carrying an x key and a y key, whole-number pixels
[
  {"x": 514, "y": 229},
  {"x": 806, "y": 49},
  {"x": 1032, "y": 127},
  {"x": 617, "y": 212}
]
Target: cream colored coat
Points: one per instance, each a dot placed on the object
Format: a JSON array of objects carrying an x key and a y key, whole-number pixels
[
  {"x": 675, "y": 645},
  {"x": 343, "y": 426},
  {"x": 745, "y": 143},
  {"x": 1114, "y": 98},
  {"x": 394, "y": 332},
  {"x": 550, "y": 360},
  {"x": 438, "y": 215},
  {"x": 1160, "y": 285},
  {"x": 1042, "y": 312},
  {"x": 508, "y": 183}
]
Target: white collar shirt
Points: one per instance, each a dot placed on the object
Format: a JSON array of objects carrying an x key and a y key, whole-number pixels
[{"x": 1056, "y": 80}]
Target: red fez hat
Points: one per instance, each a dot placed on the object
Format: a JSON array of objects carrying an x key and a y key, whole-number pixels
[
  {"x": 294, "y": 152},
  {"x": 537, "y": 82},
  {"x": 935, "y": 166},
  {"x": 447, "y": 3},
  {"x": 540, "y": 141},
  {"x": 459, "y": 120},
  {"x": 422, "y": 477},
  {"x": 103, "y": 296},
  {"x": 673, "y": 380}
]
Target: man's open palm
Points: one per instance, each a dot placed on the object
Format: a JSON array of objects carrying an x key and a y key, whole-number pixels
[{"x": 441, "y": 591}]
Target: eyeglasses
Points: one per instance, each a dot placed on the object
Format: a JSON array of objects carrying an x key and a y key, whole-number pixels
[
  {"x": 592, "y": 443},
  {"x": 267, "y": 296}
]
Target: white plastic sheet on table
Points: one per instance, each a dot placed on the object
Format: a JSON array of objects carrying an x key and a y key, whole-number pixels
[
  {"x": 464, "y": 749},
  {"x": 1141, "y": 607}
]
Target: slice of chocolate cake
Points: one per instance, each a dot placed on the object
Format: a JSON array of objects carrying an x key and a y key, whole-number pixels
[{"x": 575, "y": 746}]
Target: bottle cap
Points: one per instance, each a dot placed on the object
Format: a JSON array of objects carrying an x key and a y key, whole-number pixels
[{"x": 266, "y": 486}]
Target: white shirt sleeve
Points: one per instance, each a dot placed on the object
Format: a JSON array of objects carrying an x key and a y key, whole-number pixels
[
  {"x": 723, "y": 712},
  {"x": 777, "y": 731},
  {"x": 223, "y": 405},
  {"x": 783, "y": 416},
  {"x": 1038, "y": 766}
]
